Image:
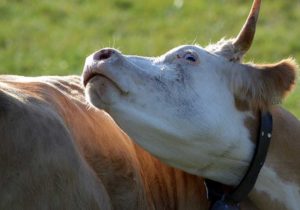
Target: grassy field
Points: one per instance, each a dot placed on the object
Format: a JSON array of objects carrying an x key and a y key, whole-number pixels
[{"x": 44, "y": 37}]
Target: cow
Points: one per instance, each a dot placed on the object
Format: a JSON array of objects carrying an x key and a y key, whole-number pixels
[
  {"x": 198, "y": 109},
  {"x": 57, "y": 152}
]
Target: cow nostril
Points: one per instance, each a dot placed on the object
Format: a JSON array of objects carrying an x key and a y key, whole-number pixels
[{"x": 103, "y": 54}]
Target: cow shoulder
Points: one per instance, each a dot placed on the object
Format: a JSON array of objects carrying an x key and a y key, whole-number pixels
[{"x": 39, "y": 161}]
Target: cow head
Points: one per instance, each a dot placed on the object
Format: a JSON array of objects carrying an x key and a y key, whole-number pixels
[{"x": 181, "y": 106}]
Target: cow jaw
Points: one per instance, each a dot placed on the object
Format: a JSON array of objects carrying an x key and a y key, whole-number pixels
[{"x": 178, "y": 108}]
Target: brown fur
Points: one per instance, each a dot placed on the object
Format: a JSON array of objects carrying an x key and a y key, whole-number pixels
[
  {"x": 279, "y": 77},
  {"x": 57, "y": 153},
  {"x": 263, "y": 85},
  {"x": 283, "y": 154}
]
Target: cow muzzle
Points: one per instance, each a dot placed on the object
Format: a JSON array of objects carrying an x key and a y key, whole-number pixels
[{"x": 100, "y": 64}]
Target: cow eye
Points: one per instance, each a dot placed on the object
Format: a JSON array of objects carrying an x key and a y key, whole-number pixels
[{"x": 190, "y": 57}]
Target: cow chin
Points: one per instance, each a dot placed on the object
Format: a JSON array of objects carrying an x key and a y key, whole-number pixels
[{"x": 102, "y": 92}]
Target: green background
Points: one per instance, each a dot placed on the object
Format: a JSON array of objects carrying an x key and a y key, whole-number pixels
[{"x": 48, "y": 37}]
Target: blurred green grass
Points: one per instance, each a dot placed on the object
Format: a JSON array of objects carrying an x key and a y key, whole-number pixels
[{"x": 44, "y": 37}]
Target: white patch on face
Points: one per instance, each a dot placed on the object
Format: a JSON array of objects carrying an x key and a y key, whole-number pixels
[
  {"x": 180, "y": 110},
  {"x": 279, "y": 190}
]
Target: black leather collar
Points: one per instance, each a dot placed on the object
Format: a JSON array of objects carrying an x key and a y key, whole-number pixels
[{"x": 221, "y": 200}]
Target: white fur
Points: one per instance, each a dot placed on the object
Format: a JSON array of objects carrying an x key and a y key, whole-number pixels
[{"x": 180, "y": 111}]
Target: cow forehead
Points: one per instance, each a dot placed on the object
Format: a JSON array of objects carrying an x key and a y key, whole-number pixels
[
  {"x": 186, "y": 47},
  {"x": 195, "y": 48},
  {"x": 182, "y": 48}
]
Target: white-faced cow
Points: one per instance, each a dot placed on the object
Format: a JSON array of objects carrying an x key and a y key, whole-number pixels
[{"x": 198, "y": 109}]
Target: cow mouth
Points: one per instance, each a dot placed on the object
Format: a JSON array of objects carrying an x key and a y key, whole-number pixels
[{"x": 89, "y": 75}]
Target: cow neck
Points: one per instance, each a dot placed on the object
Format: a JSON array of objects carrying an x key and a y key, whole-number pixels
[{"x": 221, "y": 198}]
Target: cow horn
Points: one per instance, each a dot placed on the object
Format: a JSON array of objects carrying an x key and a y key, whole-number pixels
[{"x": 244, "y": 40}]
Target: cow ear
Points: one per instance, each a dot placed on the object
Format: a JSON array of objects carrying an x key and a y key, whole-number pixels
[{"x": 264, "y": 85}]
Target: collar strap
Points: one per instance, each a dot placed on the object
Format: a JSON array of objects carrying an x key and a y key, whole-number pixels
[{"x": 215, "y": 191}]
